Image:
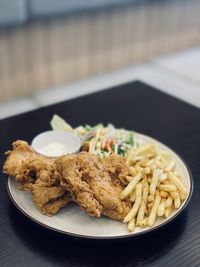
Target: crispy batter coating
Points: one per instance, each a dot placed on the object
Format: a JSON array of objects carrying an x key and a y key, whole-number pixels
[
  {"x": 38, "y": 175},
  {"x": 80, "y": 190},
  {"x": 117, "y": 169},
  {"x": 94, "y": 183},
  {"x": 87, "y": 178},
  {"x": 49, "y": 200}
]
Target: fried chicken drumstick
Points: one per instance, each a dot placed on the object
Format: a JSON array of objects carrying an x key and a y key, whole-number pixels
[{"x": 93, "y": 183}]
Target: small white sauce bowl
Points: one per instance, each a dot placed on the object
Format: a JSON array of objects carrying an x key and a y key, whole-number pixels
[{"x": 70, "y": 141}]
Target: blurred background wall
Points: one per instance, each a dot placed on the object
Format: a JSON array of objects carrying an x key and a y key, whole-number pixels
[{"x": 45, "y": 43}]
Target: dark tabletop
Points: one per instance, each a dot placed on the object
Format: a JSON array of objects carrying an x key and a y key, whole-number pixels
[{"x": 133, "y": 106}]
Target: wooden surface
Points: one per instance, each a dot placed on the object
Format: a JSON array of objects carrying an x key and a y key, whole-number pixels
[
  {"x": 132, "y": 106},
  {"x": 53, "y": 52}
]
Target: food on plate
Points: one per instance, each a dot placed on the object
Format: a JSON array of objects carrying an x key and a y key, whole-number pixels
[
  {"x": 155, "y": 187},
  {"x": 38, "y": 175},
  {"x": 93, "y": 183},
  {"x": 87, "y": 178},
  {"x": 99, "y": 140},
  {"x": 114, "y": 175}
]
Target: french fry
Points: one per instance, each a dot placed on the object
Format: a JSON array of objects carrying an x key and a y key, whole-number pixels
[
  {"x": 170, "y": 166},
  {"x": 138, "y": 169},
  {"x": 146, "y": 212},
  {"x": 152, "y": 216},
  {"x": 182, "y": 196},
  {"x": 158, "y": 164},
  {"x": 136, "y": 159},
  {"x": 179, "y": 177},
  {"x": 167, "y": 187},
  {"x": 129, "y": 178},
  {"x": 150, "y": 198},
  {"x": 147, "y": 170},
  {"x": 169, "y": 201},
  {"x": 164, "y": 194},
  {"x": 149, "y": 180},
  {"x": 168, "y": 211},
  {"x": 143, "y": 223},
  {"x": 132, "y": 171},
  {"x": 145, "y": 192},
  {"x": 153, "y": 167},
  {"x": 150, "y": 163},
  {"x": 132, "y": 213},
  {"x": 166, "y": 181},
  {"x": 162, "y": 177},
  {"x": 161, "y": 208},
  {"x": 142, "y": 208},
  {"x": 131, "y": 225},
  {"x": 176, "y": 197},
  {"x": 131, "y": 186},
  {"x": 155, "y": 187},
  {"x": 181, "y": 188},
  {"x": 163, "y": 157},
  {"x": 151, "y": 154},
  {"x": 154, "y": 182},
  {"x": 164, "y": 153},
  {"x": 130, "y": 156},
  {"x": 141, "y": 212},
  {"x": 143, "y": 149},
  {"x": 132, "y": 197},
  {"x": 158, "y": 157},
  {"x": 150, "y": 205},
  {"x": 142, "y": 162}
]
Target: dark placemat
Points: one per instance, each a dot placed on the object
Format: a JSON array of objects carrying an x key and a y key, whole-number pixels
[{"x": 133, "y": 106}]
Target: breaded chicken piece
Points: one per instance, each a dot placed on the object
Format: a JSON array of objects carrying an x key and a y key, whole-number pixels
[
  {"x": 94, "y": 183},
  {"x": 16, "y": 158},
  {"x": 49, "y": 200},
  {"x": 86, "y": 177},
  {"x": 38, "y": 175},
  {"x": 71, "y": 173},
  {"x": 29, "y": 167},
  {"x": 117, "y": 169}
]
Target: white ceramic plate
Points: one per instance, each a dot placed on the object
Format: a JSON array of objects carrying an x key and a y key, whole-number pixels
[{"x": 72, "y": 221}]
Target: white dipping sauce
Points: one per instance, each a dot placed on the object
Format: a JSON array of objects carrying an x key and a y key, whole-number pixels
[
  {"x": 53, "y": 149},
  {"x": 56, "y": 143}
]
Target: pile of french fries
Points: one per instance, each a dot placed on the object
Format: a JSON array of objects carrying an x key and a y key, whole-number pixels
[{"x": 154, "y": 186}]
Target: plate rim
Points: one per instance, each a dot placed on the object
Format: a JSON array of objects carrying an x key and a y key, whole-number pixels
[{"x": 128, "y": 235}]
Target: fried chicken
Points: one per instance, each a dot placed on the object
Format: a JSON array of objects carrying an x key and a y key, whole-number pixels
[
  {"x": 49, "y": 200},
  {"x": 38, "y": 175},
  {"x": 93, "y": 183},
  {"x": 117, "y": 169},
  {"x": 87, "y": 178}
]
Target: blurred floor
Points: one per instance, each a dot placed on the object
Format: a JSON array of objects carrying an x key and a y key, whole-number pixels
[
  {"x": 176, "y": 74},
  {"x": 59, "y": 50}
]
